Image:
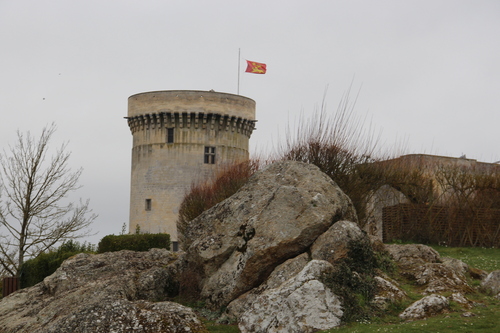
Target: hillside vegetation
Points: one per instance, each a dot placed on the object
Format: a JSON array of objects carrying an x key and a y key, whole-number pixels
[{"x": 483, "y": 317}]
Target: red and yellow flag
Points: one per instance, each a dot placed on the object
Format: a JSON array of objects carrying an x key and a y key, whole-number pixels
[{"x": 255, "y": 67}]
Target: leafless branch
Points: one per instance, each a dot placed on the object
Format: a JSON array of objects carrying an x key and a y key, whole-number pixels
[{"x": 34, "y": 214}]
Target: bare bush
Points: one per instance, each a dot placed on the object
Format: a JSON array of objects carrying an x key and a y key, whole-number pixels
[
  {"x": 202, "y": 196},
  {"x": 463, "y": 208},
  {"x": 343, "y": 148},
  {"x": 33, "y": 213},
  {"x": 472, "y": 198}
]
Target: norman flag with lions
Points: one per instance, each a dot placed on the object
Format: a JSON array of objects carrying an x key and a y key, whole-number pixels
[{"x": 256, "y": 67}]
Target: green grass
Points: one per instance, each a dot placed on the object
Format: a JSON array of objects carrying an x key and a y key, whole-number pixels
[
  {"x": 487, "y": 259},
  {"x": 486, "y": 311},
  {"x": 486, "y": 319}
]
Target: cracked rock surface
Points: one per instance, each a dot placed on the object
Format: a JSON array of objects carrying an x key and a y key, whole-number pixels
[
  {"x": 110, "y": 292},
  {"x": 276, "y": 216}
]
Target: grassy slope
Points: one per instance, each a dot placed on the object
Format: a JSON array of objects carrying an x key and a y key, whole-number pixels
[
  {"x": 486, "y": 313},
  {"x": 477, "y": 257}
]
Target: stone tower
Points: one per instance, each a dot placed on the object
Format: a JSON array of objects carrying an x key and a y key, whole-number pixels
[{"x": 179, "y": 137}]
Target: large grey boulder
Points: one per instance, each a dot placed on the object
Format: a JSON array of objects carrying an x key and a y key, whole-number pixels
[
  {"x": 111, "y": 292},
  {"x": 426, "y": 307},
  {"x": 491, "y": 284},
  {"x": 410, "y": 255},
  {"x": 388, "y": 292},
  {"x": 456, "y": 265},
  {"x": 276, "y": 216},
  {"x": 281, "y": 274},
  {"x": 439, "y": 278},
  {"x": 334, "y": 243},
  {"x": 300, "y": 305}
]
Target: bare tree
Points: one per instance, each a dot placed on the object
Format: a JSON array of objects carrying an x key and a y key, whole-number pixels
[{"x": 34, "y": 210}]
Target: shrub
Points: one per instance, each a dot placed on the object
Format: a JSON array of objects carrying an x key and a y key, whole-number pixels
[
  {"x": 135, "y": 242},
  {"x": 341, "y": 148},
  {"x": 346, "y": 151},
  {"x": 353, "y": 279},
  {"x": 35, "y": 270},
  {"x": 189, "y": 283}
]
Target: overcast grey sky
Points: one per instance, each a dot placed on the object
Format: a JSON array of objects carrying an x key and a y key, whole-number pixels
[{"x": 428, "y": 72}]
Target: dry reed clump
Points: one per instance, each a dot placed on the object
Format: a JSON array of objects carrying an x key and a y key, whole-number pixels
[
  {"x": 347, "y": 152},
  {"x": 202, "y": 196},
  {"x": 337, "y": 145}
]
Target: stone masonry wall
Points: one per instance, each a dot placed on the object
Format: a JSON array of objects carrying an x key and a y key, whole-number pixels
[{"x": 163, "y": 171}]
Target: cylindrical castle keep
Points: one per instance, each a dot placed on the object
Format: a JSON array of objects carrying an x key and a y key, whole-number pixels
[{"x": 180, "y": 137}]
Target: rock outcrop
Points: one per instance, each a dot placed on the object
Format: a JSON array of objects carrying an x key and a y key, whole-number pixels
[
  {"x": 456, "y": 265},
  {"x": 333, "y": 244},
  {"x": 423, "y": 265},
  {"x": 276, "y": 216},
  {"x": 301, "y": 304},
  {"x": 462, "y": 300},
  {"x": 110, "y": 292},
  {"x": 265, "y": 253},
  {"x": 411, "y": 255},
  {"x": 491, "y": 284},
  {"x": 282, "y": 273},
  {"x": 388, "y": 292},
  {"x": 426, "y": 307},
  {"x": 439, "y": 278}
]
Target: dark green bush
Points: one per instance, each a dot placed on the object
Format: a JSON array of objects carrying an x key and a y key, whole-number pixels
[
  {"x": 46, "y": 263},
  {"x": 135, "y": 242},
  {"x": 353, "y": 280}
]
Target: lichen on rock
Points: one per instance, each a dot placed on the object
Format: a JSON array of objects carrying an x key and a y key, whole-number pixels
[
  {"x": 425, "y": 307},
  {"x": 301, "y": 304},
  {"x": 110, "y": 292}
]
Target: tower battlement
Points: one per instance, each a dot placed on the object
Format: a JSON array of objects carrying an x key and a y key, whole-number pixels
[
  {"x": 180, "y": 137},
  {"x": 194, "y": 120}
]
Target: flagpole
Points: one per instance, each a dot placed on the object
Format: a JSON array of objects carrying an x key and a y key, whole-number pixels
[{"x": 239, "y": 57}]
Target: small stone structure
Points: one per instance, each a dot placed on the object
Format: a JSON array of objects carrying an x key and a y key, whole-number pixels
[
  {"x": 180, "y": 137},
  {"x": 430, "y": 165},
  {"x": 391, "y": 215}
]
